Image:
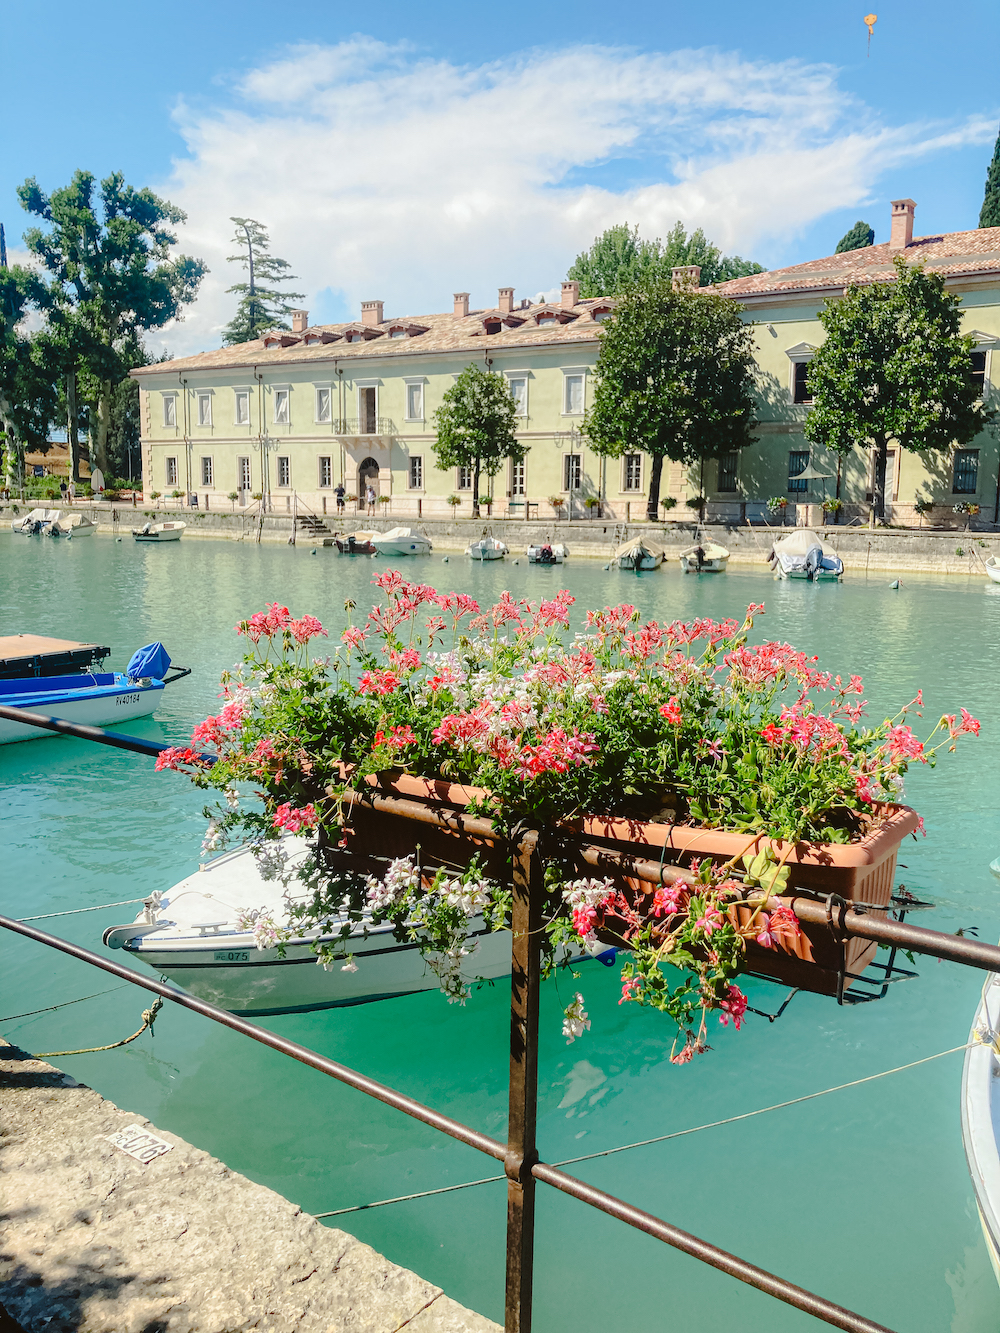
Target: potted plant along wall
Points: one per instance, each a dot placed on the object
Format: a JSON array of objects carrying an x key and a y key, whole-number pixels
[
  {"x": 834, "y": 507},
  {"x": 668, "y": 502},
  {"x": 682, "y": 743}
]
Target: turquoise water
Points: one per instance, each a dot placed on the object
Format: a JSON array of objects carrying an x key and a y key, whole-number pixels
[{"x": 862, "y": 1196}]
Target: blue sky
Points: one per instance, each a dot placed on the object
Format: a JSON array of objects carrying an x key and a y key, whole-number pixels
[{"x": 404, "y": 152}]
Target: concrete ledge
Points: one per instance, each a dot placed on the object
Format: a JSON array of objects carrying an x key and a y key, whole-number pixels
[{"x": 95, "y": 1242}]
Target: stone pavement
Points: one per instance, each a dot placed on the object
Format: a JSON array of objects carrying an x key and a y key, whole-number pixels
[{"x": 95, "y": 1242}]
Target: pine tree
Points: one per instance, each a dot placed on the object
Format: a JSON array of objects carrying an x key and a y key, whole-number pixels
[
  {"x": 260, "y": 307},
  {"x": 860, "y": 235},
  {"x": 990, "y": 214}
]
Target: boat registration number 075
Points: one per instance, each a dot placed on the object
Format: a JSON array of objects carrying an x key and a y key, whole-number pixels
[
  {"x": 127, "y": 699},
  {"x": 232, "y": 957}
]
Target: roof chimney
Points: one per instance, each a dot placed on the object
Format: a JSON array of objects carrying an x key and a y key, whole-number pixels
[
  {"x": 902, "y": 224},
  {"x": 684, "y": 278},
  {"x": 505, "y": 300},
  {"x": 371, "y": 312},
  {"x": 570, "y": 294},
  {"x": 461, "y": 304},
  {"x": 300, "y": 321}
]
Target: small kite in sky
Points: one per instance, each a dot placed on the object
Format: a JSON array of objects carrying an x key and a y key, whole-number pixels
[{"x": 870, "y": 20}]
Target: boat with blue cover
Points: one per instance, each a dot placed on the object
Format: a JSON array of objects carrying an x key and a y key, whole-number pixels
[{"x": 93, "y": 697}]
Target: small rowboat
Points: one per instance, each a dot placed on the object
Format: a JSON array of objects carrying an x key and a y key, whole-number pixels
[
  {"x": 356, "y": 543},
  {"x": 704, "y": 558},
  {"x": 160, "y": 532},
  {"x": 487, "y": 547},
  {"x": 992, "y": 568},
  {"x": 637, "y": 555},
  {"x": 547, "y": 553}
]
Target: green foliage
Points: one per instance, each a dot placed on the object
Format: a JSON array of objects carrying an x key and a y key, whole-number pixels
[
  {"x": 476, "y": 426},
  {"x": 31, "y": 367},
  {"x": 619, "y": 260},
  {"x": 261, "y": 305},
  {"x": 674, "y": 379},
  {"x": 894, "y": 366},
  {"x": 668, "y": 502},
  {"x": 859, "y": 237},
  {"x": 990, "y": 213}
]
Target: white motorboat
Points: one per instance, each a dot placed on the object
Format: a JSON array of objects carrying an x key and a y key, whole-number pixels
[
  {"x": 801, "y": 555},
  {"x": 71, "y": 525},
  {"x": 402, "y": 541},
  {"x": 704, "y": 558},
  {"x": 547, "y": 553},
  {"x": 32, "y": 523},
  {"x": 487, "y": 547},
  {"x": 193, "y": 936},
  {"x": 981, "y": 1115},
  {"x": 992, "y": 568},
  {"x": 160, "y": 532},
  {"x": 638, "y": 554}
]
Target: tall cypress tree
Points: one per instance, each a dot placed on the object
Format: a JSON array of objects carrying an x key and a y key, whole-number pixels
[{"x": 990, "y": 214}]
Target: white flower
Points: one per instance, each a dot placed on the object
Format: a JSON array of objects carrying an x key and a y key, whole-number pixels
[
  {"x": 587, "y": 892},
  {"x": 350, "y": 965},
  {"x": 215, "y": 837},
  {"x": 271, "y": 859},
  {"x": 232, "y": 798},
  {"x": 575, "y": 1020}
]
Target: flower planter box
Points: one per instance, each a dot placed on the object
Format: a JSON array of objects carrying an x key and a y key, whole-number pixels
[{"x": 861, "y": 872}]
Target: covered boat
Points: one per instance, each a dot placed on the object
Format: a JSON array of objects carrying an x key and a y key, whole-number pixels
[
  {"x": 356, "y": 543},
  {"x": 71, "y": 525},
  {"x": 638, "y": 554},
  {"x": 402, "y": 541},
  {"x": 547, "y": 553},
  {"x": 704, "y": 558},
  {"x": 487, "y": 547},
  {"x": 32, "y": 523},
  {"x": 801, "y": 555},
  {"x": 160, "y": 532}
]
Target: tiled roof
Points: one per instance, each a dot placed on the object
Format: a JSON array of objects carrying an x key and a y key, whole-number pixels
[
  {"x": 958, "y": 253},
  {"x": 444, "y": 333}
]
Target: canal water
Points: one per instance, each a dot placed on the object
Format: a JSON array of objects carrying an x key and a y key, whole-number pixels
[{"x": 862, "y": 1195}]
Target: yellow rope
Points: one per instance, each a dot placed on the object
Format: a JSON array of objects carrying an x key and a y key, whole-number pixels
[{"x": 148, "y": 1019}]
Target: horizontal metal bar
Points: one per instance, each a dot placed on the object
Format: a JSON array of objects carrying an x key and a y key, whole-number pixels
[
  {"x": 423, "y": 814},
  {"x": 603, "y": 858},
  {"x": 749, "y": 1273},
  {"x": 83, "y": 732}
]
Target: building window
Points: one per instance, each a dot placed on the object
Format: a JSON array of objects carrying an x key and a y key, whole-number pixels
[
  {"x": 573, "y": 395},
  {"x": 414, "y": 402},
  {"x": 519, "y": 393},
  {"x": 204, "y": 409},
  {"x": 398, "y": 333},
  {"x": 323, "y": 404},
  {"x": 242, "y": 406},
  {"x": 206, "y": 472},
  {"x": 572, "y": 472},
  {"x": 170, "y": 409},
  {"x": 966, "y": 476},
  {"x": 416, "y": 472},
  {"x": 517, "y": 486},
  {"x": 170, "y": 471},
  {"x": 325, "y": 471},
  {"x": 367, "y": 410},
  {"x": 632, "y": 472},
  {"x": 728, "y": 466},
  {"x": 546, "y": 320},
  {"x": 978, "y": 360},
  {"x": 798, "y": 461},
  {"x": 601, "y": 315},
  {"x": 281, "y": 407},
  {"x": 801, "y": 392},
  {"x": 243, "y": 474},
  {"x": 284, "y": 470},
  {"x": 464, "y": 479}
]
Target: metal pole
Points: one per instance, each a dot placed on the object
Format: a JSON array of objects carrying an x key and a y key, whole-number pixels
[
  {"x": 522, "y": 1151},
  {"x": 86, "y": 733}
]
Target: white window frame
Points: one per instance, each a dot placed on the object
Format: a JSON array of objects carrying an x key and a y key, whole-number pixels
[
  {"x": 572, "y": 454},
  {"x": 519, "y": 376},
  {"x": 626, "y": 488},
  {"x": 240, "y": 391},
  {"x": 324, "y": 466},
  {"x": 572, "y": 373},
  {"x": 415, "y": 473},
  {"x": 209, "y": 479},
  {"x": 515, "y": 467},
  {"x": 286, "y": 460},
  {"x": 170, "y": 410},
  {"x": 413, "y": 383},
  {"x": 458, "y": 478},
  {"x": 801, "y": 352},
  {"x": 318, "y": 416},
  {"x": 279, "y": 391},
  {"x": 204, "y": 402},
  {"x": 170, "y": 473},
  {"x": 243, "y": 468}
]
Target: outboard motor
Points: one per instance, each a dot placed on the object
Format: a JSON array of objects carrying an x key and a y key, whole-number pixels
[
  {"x": 546, "y": 556},
  {"x": 814, "y": 561}
]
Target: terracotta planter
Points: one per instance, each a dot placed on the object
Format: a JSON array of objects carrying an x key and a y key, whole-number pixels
[{"x": 860, "y": 872}]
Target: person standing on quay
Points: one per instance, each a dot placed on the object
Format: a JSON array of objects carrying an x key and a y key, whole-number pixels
[
  {"x": 370, "y": 497},
  {"x": 339, "y": 493}
]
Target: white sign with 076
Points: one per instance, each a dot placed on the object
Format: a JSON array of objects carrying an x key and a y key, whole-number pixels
[{"x": 139, "y": 1143}]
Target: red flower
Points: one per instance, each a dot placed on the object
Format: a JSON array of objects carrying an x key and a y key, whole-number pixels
[{"x": 671, "y": 711}]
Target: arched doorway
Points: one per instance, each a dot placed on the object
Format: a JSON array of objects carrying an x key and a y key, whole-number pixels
[{"x": 367, "y": 476}]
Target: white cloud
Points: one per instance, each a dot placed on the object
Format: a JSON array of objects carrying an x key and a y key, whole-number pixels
[{"x": 382, "y": 173}]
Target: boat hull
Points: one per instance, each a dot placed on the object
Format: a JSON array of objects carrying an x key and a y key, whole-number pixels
[
  {"x": 993, "y": 570},
  {"x": 157, "y": 536},
  {"x": 981, "y": 1118},
  {"x": 412, "y": 546},
  {"x": 690, "y": 565},
  {"x": 97, "y": 706}
]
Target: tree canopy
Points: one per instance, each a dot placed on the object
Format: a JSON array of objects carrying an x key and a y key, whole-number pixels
[
  {"x": 111, "y": 276},
  {"x": 675, "y": 378},
  {"x": 262, "y": 305},
  {"x": 620, "y": 259},
  {"x": 894, "y": 366},
  {"x": 859, "y": 237},
  {"x": 990, "y": 214},
  {"x": 476, "y": 425}
]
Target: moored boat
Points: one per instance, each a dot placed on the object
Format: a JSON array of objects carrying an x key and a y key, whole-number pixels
[
  {"x": 487, "y": 547},
  {"x": 638, "y": 554},
  {"x": 160, "y": 532},
  {"x": 71, "y": 525},
  {"x": 992, "y": 568},
  {"x": 981, "y": 1115},
  {"x": 547, "y": 553},
  {"x": 801, "y": 555},
  {"x": 356, "y": 543},
  {"x": 34, "y": 522},
  {"x": 402, "y": 541},
  {"x": 704, "y": 558}
]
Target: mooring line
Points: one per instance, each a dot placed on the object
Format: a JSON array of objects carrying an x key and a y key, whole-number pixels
[
  {"x": 49, "y": 1007},
  {"x": 148, "y": 1019},
  {"x": 46, "y": 916},
  {"x": 662, "y": 1138}
]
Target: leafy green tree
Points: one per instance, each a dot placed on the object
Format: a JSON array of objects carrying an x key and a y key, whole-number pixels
[
  {"x": 620, "y": 259},
  {"x": 990, "y": 214},
  {"x": 31, "y": 366},
  {"x": 111, "y": 276},
  {"x": 476, "y": 425},
  {"x": 894, "y": 366},
  {"x": 261, "y": 306},
  {"x": 859, "y": 237},
  {"x": 675, "y": 377}
]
